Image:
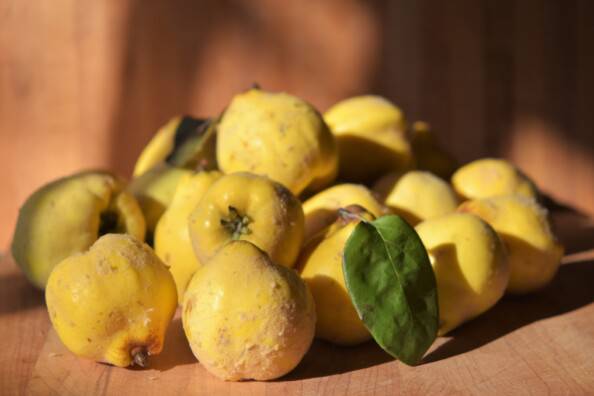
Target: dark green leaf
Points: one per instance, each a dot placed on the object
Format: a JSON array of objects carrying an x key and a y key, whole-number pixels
[{"x": 392, "y": 286}]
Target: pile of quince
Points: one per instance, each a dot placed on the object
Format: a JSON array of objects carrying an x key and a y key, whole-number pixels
[{"x": 245, "y": 218}]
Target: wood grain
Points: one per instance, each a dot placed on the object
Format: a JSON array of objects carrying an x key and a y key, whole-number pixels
[
  {"x": 84, "y": 83},
  {"x": 537, "y": 344}
]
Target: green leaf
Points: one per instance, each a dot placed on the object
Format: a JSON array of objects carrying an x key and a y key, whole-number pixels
[{"x": 392, "y": 286}]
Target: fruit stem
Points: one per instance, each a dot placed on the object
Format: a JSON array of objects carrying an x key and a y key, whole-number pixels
[
  {"x": 139, "y": 356},
  {"x": 352, "y": 213},
  {"x": 236, "y": 223}
]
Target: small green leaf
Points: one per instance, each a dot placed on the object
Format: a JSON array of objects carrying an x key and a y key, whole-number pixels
[{"x": 392, "y": 286}]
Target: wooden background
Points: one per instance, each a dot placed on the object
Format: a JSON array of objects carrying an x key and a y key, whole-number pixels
[{"x": 85, "y": 83}]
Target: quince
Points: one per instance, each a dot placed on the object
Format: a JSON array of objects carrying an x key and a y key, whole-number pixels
[
  {"x": 183, "y": 142},
  {"x": 279, "y": 136},
  {"x": 470, "y": 265},
  {"x": 320, "y": 267},
  {"x": 66, "y": 216},
  {"x": 154, "y": 191},
  {"x": 371, "y": 135},
  {"x": 416, "y": 195},
  {"x": 490, "y": 177},
  {"x": 172, "y": 238},
  {"x": 112, "y": 303},
  {"x": 246, "y": 317},
  {"x": 321, "y": 210},
  {"x": 252, "y": 208},
  {"x": 523, "y": 225},
  {"x": 429, "y": 154}
]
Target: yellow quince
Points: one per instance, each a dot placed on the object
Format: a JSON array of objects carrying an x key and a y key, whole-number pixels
[
  {"x": 279, "y": 136},
  {"x": 112, "y": 303},
  {"x": 534, "y": 253},
  {"x": 246, "y": 317},
  {"x": 321, "y": 210},
  {"x": 66, "y": 216},
  {"x": 252, "y": 208},
  {"x": 172, "y": 238},
  {"x": 320, "y": 266},
  {"x": 490, "y": 177},
  {"x": 371, "y": 135},
  {"x": 470, "y": 266}
]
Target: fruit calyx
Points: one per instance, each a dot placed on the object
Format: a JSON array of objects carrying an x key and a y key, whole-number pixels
[
  {"x": 108, "y": 222},
  {"x": 139, "y": 356},
  {"x": 236, "y": 223}
]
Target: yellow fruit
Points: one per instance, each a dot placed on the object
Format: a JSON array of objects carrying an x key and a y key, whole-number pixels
[
  {"x": 112, "y": 303},
  {"x": 249, "y": 207},
  {"x": 534, "y": 253},
  {"x": 371, "y": 138},
  {"x": 279, "y": 136},
  {"x": 172, "y": 239},
  {"x": 416, "y": 195},
  {"x": 321, "y": 209},
  {"x": 246, "y": 317},
  {"x": 490, "y": 177},
  {"x": 470, "y": 266},
  {"x": 66, "y": 216},
  {"x": 429, "y": 155},
  {"x": 182, "y": 142},
  {"x": 154, "y": 191},
  {"x": 320, "y": 267}
]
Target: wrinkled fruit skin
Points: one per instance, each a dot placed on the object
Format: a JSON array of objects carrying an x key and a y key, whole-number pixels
[
  {"x": 277, "y": 135},
  {"x": 489, "y": 177},
  {"x": 265, "y": 213},
  {"x": 246, "y": 317},
  {"x": 371, "y": 138},
  {"x": 534, "y": 253},
  {"x": 470, "y": 266},
  {"x": 321, "y": 209},
  {"x": 66, "y": 216},
  {"x": 416, "y": 195},
  {"x": 154, "y": 191},
  {"x": 172, "y": 238},
  {"x": 113, "y": 301},
  {"x": 320, "y": 267}
]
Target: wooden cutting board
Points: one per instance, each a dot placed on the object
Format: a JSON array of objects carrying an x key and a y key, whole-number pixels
[{"x": 537, "y": 344}]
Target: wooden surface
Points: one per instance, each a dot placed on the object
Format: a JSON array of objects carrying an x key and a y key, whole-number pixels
[
  {"x": 537, "y": 344},
  {"x": 85, "y": 83}
]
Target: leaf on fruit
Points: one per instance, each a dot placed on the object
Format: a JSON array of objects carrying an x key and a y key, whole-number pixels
[{"x": 392, "y": 286}]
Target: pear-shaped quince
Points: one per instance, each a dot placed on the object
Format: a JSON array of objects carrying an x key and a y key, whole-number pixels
[
  {"x": 113, "y": 303},
  {"x": 246, "y": 317}
]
